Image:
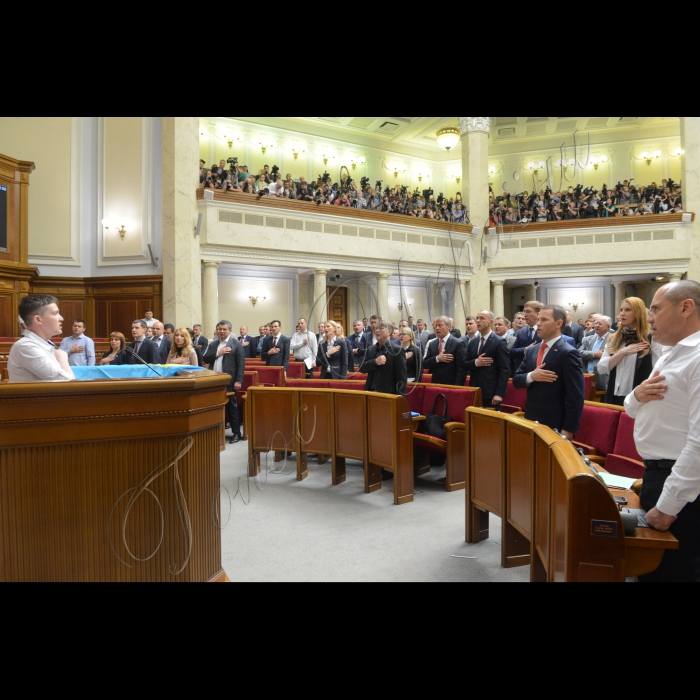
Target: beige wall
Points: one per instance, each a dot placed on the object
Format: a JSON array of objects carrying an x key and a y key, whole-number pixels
[
  {"x": 45, "y": 141},
  {"x": 235, "y": 305}
]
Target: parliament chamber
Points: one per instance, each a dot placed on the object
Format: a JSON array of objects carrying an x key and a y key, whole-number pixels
[{"x": 277, "y": 459}]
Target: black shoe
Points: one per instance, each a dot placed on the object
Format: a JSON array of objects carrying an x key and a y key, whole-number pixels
[
  {"x": 235, "y": 439},
  {"x": 387, "y": 476}
]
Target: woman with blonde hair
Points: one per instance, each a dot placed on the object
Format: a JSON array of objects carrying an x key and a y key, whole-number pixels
[
  {"x": 182, "y": 352},
  {"x": 332, "y": 353},
  {"x": 630, "y": 355}
]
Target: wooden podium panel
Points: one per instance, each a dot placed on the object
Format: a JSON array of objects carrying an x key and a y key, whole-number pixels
[{"x": 72, "y": 456}]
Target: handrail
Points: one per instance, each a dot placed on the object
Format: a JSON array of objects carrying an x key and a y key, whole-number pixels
[
  {"x": 587, "y": 224},
  {"x": 308, "y": 208}
]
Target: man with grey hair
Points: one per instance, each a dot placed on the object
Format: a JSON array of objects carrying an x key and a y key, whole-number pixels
[
  {"x": 593, "y": 347},
  {"x": 446, "y": 357},
  {"x": 488, "y": 361},
  {"x": 553, "y": 376},
  {"x": 667, "y": 430},
  {"x": 225, "y": 355}
]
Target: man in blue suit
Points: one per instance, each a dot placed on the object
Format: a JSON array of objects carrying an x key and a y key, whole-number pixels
[
  {"x": 527, "y": 336},
  {"x": 357, "y": 343},
  {"x": 553, "y": 376},
  {"x": 276, "y": 348}
]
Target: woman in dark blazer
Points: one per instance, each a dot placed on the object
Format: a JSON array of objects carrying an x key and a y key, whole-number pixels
[
  {"x": 414, "y": 360},
  {"x": 116, "y": 356},
  {"x": 333, "y": 354}
]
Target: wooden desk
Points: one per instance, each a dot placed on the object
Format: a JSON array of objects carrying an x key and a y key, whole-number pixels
[{"x": 73, "y": 453}]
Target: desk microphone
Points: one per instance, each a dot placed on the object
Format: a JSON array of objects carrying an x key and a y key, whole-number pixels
[{"x": 142, "y": 361}]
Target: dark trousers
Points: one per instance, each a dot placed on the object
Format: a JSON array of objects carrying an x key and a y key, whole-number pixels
[
  {"x": 310, "y": 372},
  {"x": 682, "y": 566},
  {"x": 234, "y": 415}
]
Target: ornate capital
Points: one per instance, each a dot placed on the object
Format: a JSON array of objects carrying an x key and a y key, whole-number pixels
[{"x": 470, "y": 124}]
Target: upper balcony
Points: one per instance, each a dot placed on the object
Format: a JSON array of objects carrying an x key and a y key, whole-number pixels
[{"x": 267, "y": 231}]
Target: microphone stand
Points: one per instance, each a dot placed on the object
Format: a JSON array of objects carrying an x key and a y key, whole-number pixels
[{"x": 143, "y": 362}]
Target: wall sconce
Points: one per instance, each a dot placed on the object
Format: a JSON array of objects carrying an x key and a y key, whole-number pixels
[
  {"x": 119, "y": 228},
  {"x": 354, "y": 164},
  {"x": 400, "y": 305},
  {"x": 263, "y": 148},
  {"x": 296, "y": 153},
  {"x": 255, "y": 300},
  {"x": 651, "y": 158},
  {"x": 576, "y": 307},
  {"x": 492, "y": 170},
  {"x": 597, "y": 162},
  {"x": 535, "y": 168}
]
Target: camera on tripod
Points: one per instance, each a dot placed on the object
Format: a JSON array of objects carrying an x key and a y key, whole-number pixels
[{"x": 233, "y": 162}]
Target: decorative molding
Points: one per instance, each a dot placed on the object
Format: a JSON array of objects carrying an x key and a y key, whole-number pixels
[
  {"x": 76, "y": 206},
  {"x": 468, "y": 125},
  {"x": 146, "y": 197},
  {"x": 304, "y": 259},
  {"x": 605, "y": 269}
]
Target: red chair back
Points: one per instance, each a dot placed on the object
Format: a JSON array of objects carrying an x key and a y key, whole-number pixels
[
  {"x": 458, "y": 401},
  {"x": 415, "y": 395},
  {"x": 622, "y": 466},
  {"x": 624, "y": 442},
  {"x": 273, "y": 376},
  {"x": 599, "y": 428},
  {"x": 515, "y": 397},
  {"x": 297, "y": 370}
]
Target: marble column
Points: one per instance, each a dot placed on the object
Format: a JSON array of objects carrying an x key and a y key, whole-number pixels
[
  {"x": 319, "y": 307},
  {"x": 620, "y": 294},
  {"x": 499, "y": 306},
  {"x": 642, "y": 289},
  {"x": 475, "y": 194},
  {"x": 383, "y": 296},
  {"x": 690, "y": 177},
  {"x": 210, "y": 298},
  {"x": 437, "y": 301},
  {"x": 182, "y": 267},
  {"x": 677, "y": 277},
  {"x": 532, "y": 292}
]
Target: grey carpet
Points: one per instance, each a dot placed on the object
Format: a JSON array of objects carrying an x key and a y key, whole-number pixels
[{"x": 314, "y": 532}]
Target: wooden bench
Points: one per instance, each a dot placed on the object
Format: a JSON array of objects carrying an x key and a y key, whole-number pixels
[
  {"x": 376, "y": 429},
  {"x": 578, "y": 534}
]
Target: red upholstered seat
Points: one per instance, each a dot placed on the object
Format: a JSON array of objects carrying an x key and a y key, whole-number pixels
[
  {"x": 8, "y": 340},
  {"x": 598, "y": 430},
  {"x": 515, "y": 400},
  {"x": 427, "y": 379},
  {"x": 273, "y": 376},
  {"x": 415, "y": 395},
  {"x": 624, "y": 443},
  {"x": 587, "y": 379},
  {"x": 458, "y": 401},
  {"x": 297, "y": 370},
  {"x": 307, "y": 384},
  {"x": 623, "y": 466}
]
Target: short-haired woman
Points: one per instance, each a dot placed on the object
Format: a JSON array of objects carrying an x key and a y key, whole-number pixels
[
  {"x": 116, "y": 355},
  {"x": 414, "y": 363},
  {"x": 182, "y": 352},
  {"x": 332, "y": 354}
]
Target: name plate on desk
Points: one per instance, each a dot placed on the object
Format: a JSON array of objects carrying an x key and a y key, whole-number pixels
[{"x": 603, "y": 528}]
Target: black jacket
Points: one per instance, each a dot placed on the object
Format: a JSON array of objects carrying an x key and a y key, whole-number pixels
[
  {"x": 390, "y": 378},
  {"x": 558, "y": 405},
  {"x": 163, "y": 353},
  {"x": 453, "y": 374},
  {"x": 492, "y": 380},
  {"x": 251, "y": 352},
  {"x": 414, "y": 366},
  {"x": 338, "y": 361},
  {"x": 234, "y": 362},
  {"x": 148, "y": 353},
  {"x": 278, "y": 359}
]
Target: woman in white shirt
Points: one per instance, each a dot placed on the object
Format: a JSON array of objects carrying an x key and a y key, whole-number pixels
[{"x": 630, "y": 354}]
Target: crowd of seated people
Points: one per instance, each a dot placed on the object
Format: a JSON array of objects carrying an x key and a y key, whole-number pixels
[
  {"x": 576, "y": 203},
  {"x": 229, "y": 177}
]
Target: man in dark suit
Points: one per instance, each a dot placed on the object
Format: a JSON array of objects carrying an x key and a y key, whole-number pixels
[
  {"x": 574, "y": 330},
  {"x": 385, "y": 364},
  {"x": 454, "y": 331},
  {"x": 276, "y": 347},
  {"x": 527, "y": 337},
  {"x": 357, "y": 345},
  {"x": 248, "y": 343},
  {"x": 488, "y": 361},
  {"x": 142, "y": 346},
  {"x": 225, "y": 355},
  {"x": 422, "y": 337},
  {"x": 412, "y": 324},
  {"x": 553, "y": 376},
  {"x": 199, "y": 339},
  {"x": 446, "y": 357},
  {"x": 161, "y": 342}
]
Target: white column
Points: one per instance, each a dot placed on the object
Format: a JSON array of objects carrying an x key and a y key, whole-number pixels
[
  {"x": 690, "y": 170},
  {"x": 499, "y": 307},
  {"x": 437, "y": 301},
  {"x": 675, "y": 277},
  {"x": 383, "y": 296},
  {"x": 182, "y": 271},
  {"x": 320, "y": 310},
  {"x": 210, "y": 298},
  {"x": 475, "y": 192},
  {"x": 532, "y": 292},
  {"x": 620, "y": 293}
]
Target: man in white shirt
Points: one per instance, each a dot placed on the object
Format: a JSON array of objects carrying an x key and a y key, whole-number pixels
[
  {"x": 667, "y": 430},
  {"x": 34, "y": 358},
  {"x": 79, "y": 348},
  {"x": 305, "y": 347},
  {"x": 148, "y": 318}
]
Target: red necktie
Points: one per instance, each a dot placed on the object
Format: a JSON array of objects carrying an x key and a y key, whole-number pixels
[
  {"x": 540, "y": 357},
  {"x": 442, "y": 346},
  {"x": 274, "y": 345}
]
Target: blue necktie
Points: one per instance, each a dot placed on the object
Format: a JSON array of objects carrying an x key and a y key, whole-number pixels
[{"x": 596, "y": 347}]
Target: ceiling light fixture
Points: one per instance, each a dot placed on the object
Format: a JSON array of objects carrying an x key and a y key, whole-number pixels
[{"x": 448, "y": 138}]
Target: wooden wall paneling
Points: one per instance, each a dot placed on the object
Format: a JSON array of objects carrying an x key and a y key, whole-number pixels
[
  {"x": 7, "y": 322},
  {"x": 101, "y": 322},
  {"x": 121, "y": 315}
]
